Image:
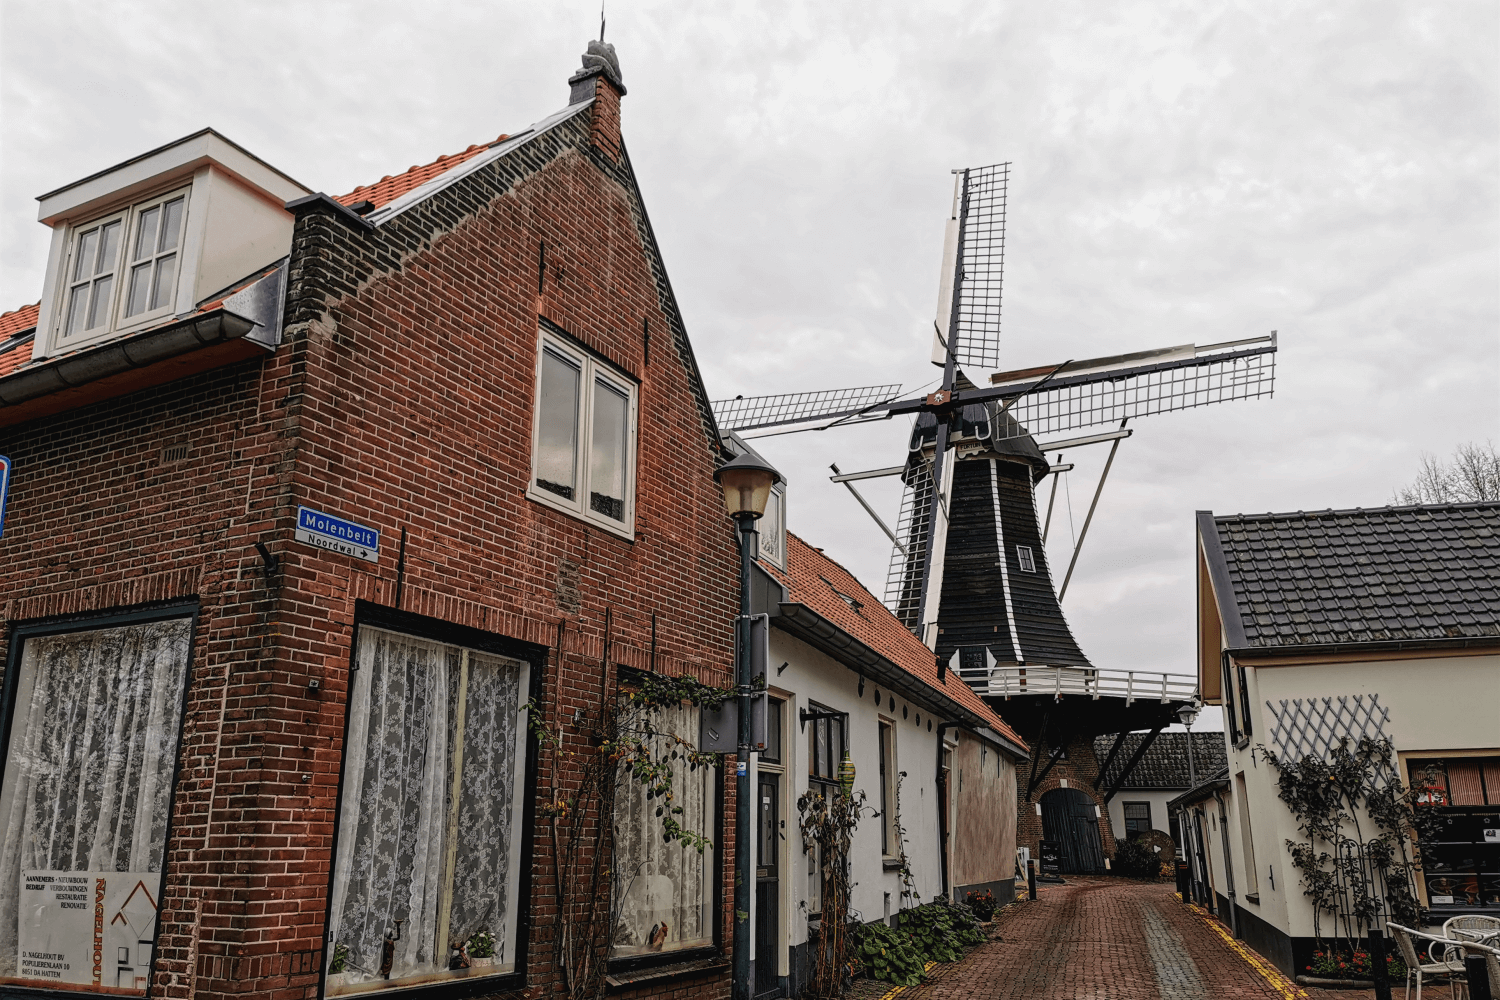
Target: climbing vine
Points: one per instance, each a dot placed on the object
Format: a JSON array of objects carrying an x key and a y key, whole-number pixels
[
  {"x": 606, "y": 748},
  {"x": 827, "y": 823},
  {"x": 1357, "y": 862}
]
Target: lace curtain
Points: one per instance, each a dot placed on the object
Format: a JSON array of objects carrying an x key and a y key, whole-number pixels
[
  {"x": 88, "y": 779},
  {"x": 663, "y": 891},
  {"x": 429, "y": 836}
]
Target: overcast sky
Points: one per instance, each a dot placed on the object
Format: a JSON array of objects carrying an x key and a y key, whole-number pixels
[{"x": 1191, "y": 172}]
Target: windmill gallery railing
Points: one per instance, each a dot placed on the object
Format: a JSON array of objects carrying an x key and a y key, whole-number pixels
[{"x": 1094, "y": 683}]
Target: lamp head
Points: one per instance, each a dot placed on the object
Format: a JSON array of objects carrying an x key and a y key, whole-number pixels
[
  {"x": 1188, "y": 713},
  {"x": 746, "y": 482}
]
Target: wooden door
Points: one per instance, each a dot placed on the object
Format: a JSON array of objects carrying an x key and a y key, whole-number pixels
[
  {"x": 767, "y": 886},
  {"x": 1068, "y": 818}
]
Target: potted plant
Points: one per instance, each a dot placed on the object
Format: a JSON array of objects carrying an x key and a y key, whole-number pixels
[
  {"x": 481, "y": 950},
  {"x": 983, "y": 904},
  {"x": 336, "y": 966}
]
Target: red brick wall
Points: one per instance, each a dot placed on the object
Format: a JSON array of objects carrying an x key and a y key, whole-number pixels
[
  {"x": 1079, "y": 770},
  {"x": 403, "y": 398}
]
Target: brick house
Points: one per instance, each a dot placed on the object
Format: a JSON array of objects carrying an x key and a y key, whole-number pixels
[{"x": 311, "y": 497}]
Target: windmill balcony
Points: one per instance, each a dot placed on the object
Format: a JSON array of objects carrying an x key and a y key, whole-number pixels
[{"x": 1092, "y": 683}]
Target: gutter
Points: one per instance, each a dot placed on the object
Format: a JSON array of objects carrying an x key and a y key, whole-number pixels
[
  {"x": 812, "y": 628},
  {"x": 252, "y": 314},
  {"x": 1377, "y": 646}
]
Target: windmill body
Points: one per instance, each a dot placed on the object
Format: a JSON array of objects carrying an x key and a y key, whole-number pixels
[{"x": 969, "y": 572}]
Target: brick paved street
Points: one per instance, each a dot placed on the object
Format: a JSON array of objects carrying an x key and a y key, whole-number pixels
[{"x": 1115, "y": 940}]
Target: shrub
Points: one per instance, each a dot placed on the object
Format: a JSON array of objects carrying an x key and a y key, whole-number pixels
[
  {"x": 983, "y": 904},
  {"x": 941, "y": 930},
  {"x": 888, "y": 954},
  {"x": 1135, "y": 860}
]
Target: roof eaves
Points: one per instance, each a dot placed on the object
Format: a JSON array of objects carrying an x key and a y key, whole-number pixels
[
  {"x": 1218, "y": 574},
  {"x": 1436, "y": 645},
  {"x": 812, "y": 628},
  {"x": 421, "y": 192},
  {"x": 1205, "y": 788}
]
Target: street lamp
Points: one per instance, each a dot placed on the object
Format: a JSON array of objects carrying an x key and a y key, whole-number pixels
[
  {"x": 747, "y": 482},
  {"x": 1188, "y": 713}
]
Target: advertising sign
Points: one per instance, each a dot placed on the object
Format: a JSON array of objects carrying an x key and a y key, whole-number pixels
[
  {"x": 1050, "y": 854},
  {"x": 87, "y": 928},
  {"x": 337, "y": 535}
]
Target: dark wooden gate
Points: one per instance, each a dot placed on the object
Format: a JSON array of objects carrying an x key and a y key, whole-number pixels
[{"x": 1068, "y": 818}]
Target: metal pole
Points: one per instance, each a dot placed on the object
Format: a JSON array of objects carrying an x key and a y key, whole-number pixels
[
  {"x": 1047, "y": 526},
  {"x": 871, "y": 511},
  {"x": 1380, "y": 968},
  {"x": 743, "y": 869},
  {"x": 1084, "y": 533},
  {"x": 1031, "y": 878}
]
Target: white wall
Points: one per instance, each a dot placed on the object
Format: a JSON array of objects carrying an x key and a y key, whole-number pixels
[
  {"x": 1158, "y": 797},
  {"x": 1440, "y": 703}
]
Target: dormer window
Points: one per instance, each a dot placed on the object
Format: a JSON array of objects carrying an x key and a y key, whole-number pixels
[{"x": 99, "y": 275}]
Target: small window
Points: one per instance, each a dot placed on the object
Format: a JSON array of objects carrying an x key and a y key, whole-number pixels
[
  {"x": 889, "y": 835},
  {"x": 1137, "y": 819},
  {"x": 123, "y": 269},
  {"x": 1024, "y": 557},
  {"x": 583, "y": 447},
  {"x": 771, "y": 529}
]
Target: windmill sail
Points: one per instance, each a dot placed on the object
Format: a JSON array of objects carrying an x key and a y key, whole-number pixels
[
  {"x": 839, "y": 405},
  {"x": 973, "y": 273}
]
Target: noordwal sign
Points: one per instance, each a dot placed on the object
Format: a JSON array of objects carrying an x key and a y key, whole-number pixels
[{"x": 337, "y": 535}]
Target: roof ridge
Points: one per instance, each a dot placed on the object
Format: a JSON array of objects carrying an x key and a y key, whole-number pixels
[{"x": 1355, "y": 511}]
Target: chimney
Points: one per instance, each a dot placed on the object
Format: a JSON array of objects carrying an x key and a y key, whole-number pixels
[{"x": 599, "y": 79}]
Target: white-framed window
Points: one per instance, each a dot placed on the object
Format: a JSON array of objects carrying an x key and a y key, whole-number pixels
[
  {"x": 1025, "y": 559},
  {"x": 428, "y": 867},
  {"x": 122, "y": 268},
  {"x": 771, "y": 529},
  {"x": 85, "y": 802},
  {"x": 583, "y": 437}
]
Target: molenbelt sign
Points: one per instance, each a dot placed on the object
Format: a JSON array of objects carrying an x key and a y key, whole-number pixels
[{"x": 337, "y": 535}]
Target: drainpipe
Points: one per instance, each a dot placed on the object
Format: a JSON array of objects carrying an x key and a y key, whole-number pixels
[
  {"x": 942, "y": 728},
  {"x": 1234, "y": 917}
]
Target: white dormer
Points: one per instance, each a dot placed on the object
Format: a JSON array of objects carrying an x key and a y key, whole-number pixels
[{"x": 148, "y": 240}]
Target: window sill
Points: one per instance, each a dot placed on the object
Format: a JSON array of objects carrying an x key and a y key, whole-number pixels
[
  {"x": 891, "y": 864},
  {"x": 1252, "y": 897},
  {"x": 562, "y": 507},
  {"x": 618, "y": 981}
]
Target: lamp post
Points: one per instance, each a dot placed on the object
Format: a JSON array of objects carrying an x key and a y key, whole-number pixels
[
  {"x": 1188, "y": 713},
  {"x": 747, "y": 482}
]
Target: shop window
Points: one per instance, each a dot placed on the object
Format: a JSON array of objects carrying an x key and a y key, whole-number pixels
[
  {"x": 665, "y": 891},
  {"x": 1137, "y": 819},
  {"x": 1460, "y": 838},
  {"x": 96, "y": 718},
  {"x": 428, "y": 864},
  {"x": 583, "y": 450}
]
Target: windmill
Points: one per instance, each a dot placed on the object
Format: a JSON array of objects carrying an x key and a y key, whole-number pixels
[{"x": 968, "y": 571}]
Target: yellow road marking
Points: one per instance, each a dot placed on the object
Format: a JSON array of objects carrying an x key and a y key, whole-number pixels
[
  {"x": 1280, "y": 983},
  {"x": 902, "y": 989}
]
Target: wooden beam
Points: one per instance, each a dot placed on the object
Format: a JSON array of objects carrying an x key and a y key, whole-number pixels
[
  {"x": 1135, "y": 759},
  {"x": 1104, "y": 768}
]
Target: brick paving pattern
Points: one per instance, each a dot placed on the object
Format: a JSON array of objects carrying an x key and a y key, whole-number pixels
[{"x": 1111, "y": 939}]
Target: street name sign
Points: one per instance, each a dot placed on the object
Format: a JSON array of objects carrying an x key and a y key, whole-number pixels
[{"x": 335, "y": 534}]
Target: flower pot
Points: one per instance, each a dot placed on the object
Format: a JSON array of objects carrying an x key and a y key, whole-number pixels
[{"x": 481, "y": 963}]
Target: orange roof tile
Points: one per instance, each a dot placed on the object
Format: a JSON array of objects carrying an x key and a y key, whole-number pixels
[
  {"x": 817, "y": 581},
  {"x": 12, "y": 323},
  {"x": 389, "y": 188}
]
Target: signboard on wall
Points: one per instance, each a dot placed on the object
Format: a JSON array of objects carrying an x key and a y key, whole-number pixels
[
  {"x": 335, "y": 534},
  {"x": 87, "y": 928}
]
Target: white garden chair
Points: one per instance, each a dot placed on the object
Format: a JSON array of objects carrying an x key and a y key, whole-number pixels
[{"x": 1416, "y": 969}]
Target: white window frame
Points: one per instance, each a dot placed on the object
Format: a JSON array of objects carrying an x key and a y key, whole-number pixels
[
  {"x": 1025, "y": 559},
  {"x": 885, "y": 730},
  {"x": 775, "y": 554},
  {"x": 117, "y": 324},
  {"x": 590, "y": 369}
]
